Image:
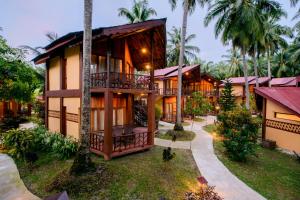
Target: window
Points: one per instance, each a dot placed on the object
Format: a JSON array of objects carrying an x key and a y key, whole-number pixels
[
  {"x": 118, "y": 116},
  {"x": 102, "y": 64},
  {"x": 97, "y": 119},
  {"x": 93, "y": 64},
  {"x": 287, "y": 116}
]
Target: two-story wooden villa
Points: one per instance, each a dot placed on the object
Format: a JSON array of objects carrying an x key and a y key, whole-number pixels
[
  {"x": 192, "y": 81},
  {"x": 122, "y": 70}
]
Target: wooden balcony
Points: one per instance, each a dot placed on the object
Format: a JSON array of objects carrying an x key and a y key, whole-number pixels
[
  {"x": 126, "y": 139},
  {"x": 186, "y": 91},
  {"x": 121, "y": 81}
]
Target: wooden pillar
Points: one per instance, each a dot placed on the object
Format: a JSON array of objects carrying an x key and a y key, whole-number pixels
[
  {"x": 151, "y": 118},
  {"x": 108, "y": 122},
  {"x": 164, "y": 107},
  {"x": 263, "y": 135},
  {"x": 152, "y": 62},
  {"x": 129, "y": 110}
]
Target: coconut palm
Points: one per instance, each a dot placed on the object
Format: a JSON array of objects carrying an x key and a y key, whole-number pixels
[
  {"x": 173, "y": 47},
  {"x": 83, "y": 160},
  {"x": 139, "y": 12},
  {"x": 189, "y": 6},
  {"x": 274, "y": 39},
  {"x": 234, "y": 60},
  {"x": 51, "y": 36},
  {"x": 240, "y": 21}
]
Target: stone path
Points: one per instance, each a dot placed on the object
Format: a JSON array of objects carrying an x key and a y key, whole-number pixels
[
  {"x": 227, "y": 185},
  {"x": 11, "y": 185}
]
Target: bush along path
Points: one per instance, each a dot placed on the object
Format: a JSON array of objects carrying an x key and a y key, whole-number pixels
[
  {"x": 227, "y": 185},
  {"x": 11, "y": 185}
]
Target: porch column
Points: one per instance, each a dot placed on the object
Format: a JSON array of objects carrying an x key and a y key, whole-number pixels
[
  {"x": 108, "y": 122},
  {"x": 151, "y": 118},
  {"x": 264, "y": 119},
  {"x": 108, "y": 54}
]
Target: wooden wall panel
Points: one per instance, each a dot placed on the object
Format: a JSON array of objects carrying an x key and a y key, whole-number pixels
[
  {"x": 72, "y": 67},
  {"x": 54, "y": 74}
]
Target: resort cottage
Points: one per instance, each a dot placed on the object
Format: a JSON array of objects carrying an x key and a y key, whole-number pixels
[
  {"x": 192, "y": 81},
  {"x": 281, "y": 116},
  {"x": 122, "y": 72}
]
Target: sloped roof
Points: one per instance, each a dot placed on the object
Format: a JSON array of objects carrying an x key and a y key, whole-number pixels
[
  {"x": 261, "y": 80},
  {"x": 184, "y": 70},
  {"x": 165, "y": 71},
  {"x": 285, "y": 81},
  {"x": 137, "y": 34},
  {"x": 288, "y": 97}
]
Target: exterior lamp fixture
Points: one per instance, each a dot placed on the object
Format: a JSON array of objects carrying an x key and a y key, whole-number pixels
[
  {"x": 148, "y": 66},
  {"x": 187, "y": 73},
  {"x": 209, "y": 79},
  {"x": 202, "y": 181},
  {"x": 144, "y": 50},
  {"x": 217, "y": 108},
  {"x": 215, "y": 83},
  {"x": 119, "y": 93}
]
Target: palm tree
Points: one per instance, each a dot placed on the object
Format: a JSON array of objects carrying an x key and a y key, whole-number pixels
[
  {"x": 51, "y": 36},
  {"x": 82, "y": 160},
  {"x": 189, "y": 6},
  {"x": 274, "y": 39},
  {"x": 173, "y": 47},
  {"x": 240, "y": 21},
  {"x": 139, "y": 12},
  {"x": 234, "y": 60}
]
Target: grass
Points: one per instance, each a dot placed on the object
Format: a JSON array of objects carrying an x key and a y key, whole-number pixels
[
  {"x": 273, "y": 174},
  {"x": 198, "y": 119},
  {"x": 180, "y": 135},
  {"x": 137, "y": 176},
  {"x": 185, "y": 124}
]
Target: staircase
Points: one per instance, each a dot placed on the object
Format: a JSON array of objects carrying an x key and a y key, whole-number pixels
[{"x": 140, "y": 114}]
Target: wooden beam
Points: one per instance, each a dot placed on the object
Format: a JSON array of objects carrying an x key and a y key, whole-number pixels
[
  {"x": 108, "y": 54},
  {"x": 63, "y": 93},
  {"x": 45, "y": 93},
  {"x": 108, "y": 122},
  {"x": 263, "y": 135},
  {"x": 151, "y": 118}
]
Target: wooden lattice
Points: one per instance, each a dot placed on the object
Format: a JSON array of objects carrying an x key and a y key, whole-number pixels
[
  {"x": 294, "y": 128},
  {"x": 54, "y": 113},
  {"x": 72, "y": 117}
]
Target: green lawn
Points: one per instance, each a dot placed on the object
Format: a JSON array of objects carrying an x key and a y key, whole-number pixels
[
  {"x": 137, "y": 176},
  {"x": 185, "y": 124},
  {"x": 273, "y": 174},
  {"x": 180, "y": 135},
  {"x": 198, "y": 119}
]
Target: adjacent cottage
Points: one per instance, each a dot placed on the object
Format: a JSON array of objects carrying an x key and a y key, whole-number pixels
[
  {"x": 122, "y": 73},
  {"x": 192, "y": 81},
  {"x": 281, "y": 116}
]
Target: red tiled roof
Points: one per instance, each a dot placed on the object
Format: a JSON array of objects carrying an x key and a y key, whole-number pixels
[
  {"x": 286, "y": 81},
  {"x": 165, "y": 71},
  {"x": 184, "y": 69},
  {"x": 288, "y": 97},
  {"x": 260, "y": 80}
]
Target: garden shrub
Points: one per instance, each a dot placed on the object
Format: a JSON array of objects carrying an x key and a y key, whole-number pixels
[
  {"x": 206, "y": 193},
  {"x": 24, "y": 141},
  {"x": 240, "y": 133},
  {"x": 168, "y": 155},
  {"x": 18, "y": 142}
]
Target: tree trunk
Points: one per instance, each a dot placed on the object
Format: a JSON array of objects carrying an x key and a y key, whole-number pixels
[
  {"x": 246, "y": 78},
  {"x": 269, "y": 66},
  {"x": 82, "y": 160},
  {"x": 255, "y": 66},
  {"x": 181, "y": 58}
]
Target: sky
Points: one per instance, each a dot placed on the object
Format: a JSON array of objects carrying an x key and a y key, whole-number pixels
[{"x": 25, "y": 22}]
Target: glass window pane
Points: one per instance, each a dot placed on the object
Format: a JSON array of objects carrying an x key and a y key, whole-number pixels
[
  {"x": 95, "y": 120},
  {"x": 120, "y": 116},
  {"x": 102, "y": 64},
  {"x": 101, "y": 120},
  {"x": 114, "y": 117}
]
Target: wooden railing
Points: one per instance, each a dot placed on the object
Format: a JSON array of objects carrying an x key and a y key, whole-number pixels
[
  {"x": 186, "y": 91},
  {"x": 97, "y": 140},
  {"x": 122, "y": 81},
  {"x": 129, "y": 141}
]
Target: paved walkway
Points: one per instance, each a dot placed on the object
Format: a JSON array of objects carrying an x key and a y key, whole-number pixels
[
  {"x": 227, "y": 185},
  {"x": 11, "y": 185}
]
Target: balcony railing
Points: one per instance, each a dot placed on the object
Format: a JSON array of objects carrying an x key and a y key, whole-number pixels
[
  {"x": 121, "y": 80},
  {"x": 186, "y": 91}
]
